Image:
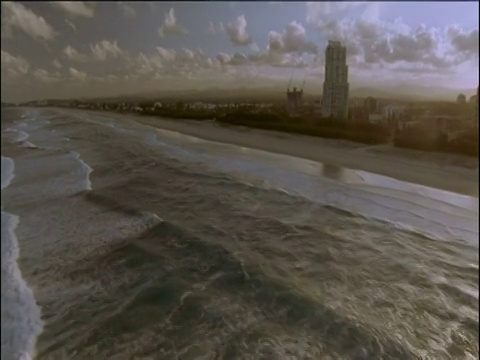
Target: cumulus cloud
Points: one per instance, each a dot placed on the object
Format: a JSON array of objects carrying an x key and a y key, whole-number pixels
[
  {"x": 71, "y": 25},
  {"x": 293, "y": 39},
  {"x": 77, "y": 75},
  {"x": 148, "y": 64},
  {"x": 373, "y": 43},
  {"x": 44, "y": 76},
  {"x": 14, "y": 66},
  {"x": 465, "y": 42},
  {"x": 75, "y": 8},
  {"x": 126, "y": 9},
  {"x": 168, "y": 62},
  {"x": 16, "y": 16},
  {"x": 237, "y": 31},
  {"x": 101, "y": 51},
  {"x": 73, "y": 54},
  {"x": 224, "y": 58},
  {"x": 275, "y": 59},
  {"x": 166, "y": 54},
  {"x": 266, "y": 58},
  {"x": 105, "y": 49},
  {"x": 57, "y": 64},
  {"x": 170, "y": 25},
  {"x": 284, "y": 49}
]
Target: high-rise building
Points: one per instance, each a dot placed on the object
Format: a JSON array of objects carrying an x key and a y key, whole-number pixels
[
  {"x": 335, "y": 86},
  {"x": 475, "y": 119}
]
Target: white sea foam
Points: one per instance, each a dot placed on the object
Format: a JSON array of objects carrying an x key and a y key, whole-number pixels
[
  {"x": 7, "y": 171},
  {"x": 85, "y": 170},
  {"x": 29, "y": 145},
  {"x": 21, "y": 322},
  {"x": 15, "y": 136},
  {"x": 435, "y": 213}
]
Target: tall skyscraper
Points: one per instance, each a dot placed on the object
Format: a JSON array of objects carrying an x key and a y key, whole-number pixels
[{"x": 335, "y": 86}]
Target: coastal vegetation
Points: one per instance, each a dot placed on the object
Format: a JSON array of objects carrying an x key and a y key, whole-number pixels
[
  {"x": 279, "y": 120},
  {"x": 465, "y": 143}
]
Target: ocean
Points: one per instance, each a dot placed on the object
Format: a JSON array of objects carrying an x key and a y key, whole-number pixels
[{"x": 122, "y": 241}]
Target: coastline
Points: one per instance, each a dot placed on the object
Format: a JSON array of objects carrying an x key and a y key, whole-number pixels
[{"x": 454, "y": 173}]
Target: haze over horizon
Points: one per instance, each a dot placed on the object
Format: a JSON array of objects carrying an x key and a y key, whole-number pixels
[{"x": 80, "y": 49}]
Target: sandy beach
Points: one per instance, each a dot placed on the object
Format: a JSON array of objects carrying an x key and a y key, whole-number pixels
[{"x": 448, "y": 172}]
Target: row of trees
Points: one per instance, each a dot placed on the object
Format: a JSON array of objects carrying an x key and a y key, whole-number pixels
[{"x": 417, "y": 139}]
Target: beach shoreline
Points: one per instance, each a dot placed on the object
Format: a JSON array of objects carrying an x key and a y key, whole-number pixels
[{"x": 449, "y": 172}]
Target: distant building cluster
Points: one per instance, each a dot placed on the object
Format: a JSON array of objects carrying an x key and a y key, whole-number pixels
[{"x": 335, "y": 103}]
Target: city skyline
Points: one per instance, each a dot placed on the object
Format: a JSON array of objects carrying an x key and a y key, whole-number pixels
[{"x": 75, "y": 49}]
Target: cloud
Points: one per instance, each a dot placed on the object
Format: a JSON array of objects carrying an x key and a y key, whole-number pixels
[
  {"x": 14, "y": 66},
  {"x": 185, "y": 63},
  {"x": 223, "y": 58},
  {"x": 166, "y": 54},
  {"x": 75, "y": 8},
  {"x": 127, "y": 9},
  {"x": 77, "y": 75},
  {"x": 57, "y": 64},
  {"x": 266, "y": 58},
  {"x": 170, "y": 25},
  {"x": 105, "y": 49},
  {"x": 71, "y": 25},
  {"x": 372, "y": 43},
  {"x": 237, "y": 31},
  {"x": 145, "y": 65},
  {"x": 44, "y": 76},
  {"x": 293, "y": 39},
  {"x": 17, "y": 16},
  {"x": 276, "y": 59},
  {"x": 463, "y": 41},
  {"x": 74, "y": 55},
  {"x": 101, "y": 51},
  {"x": 283, "y": 50}
]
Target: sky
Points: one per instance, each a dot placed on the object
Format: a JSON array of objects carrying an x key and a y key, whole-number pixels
[{"x": 87, "y": 49}]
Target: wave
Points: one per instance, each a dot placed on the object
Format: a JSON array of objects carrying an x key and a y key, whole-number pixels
[
  {"x": 448, "y": 197},
  {"x": 16, "y": 136},
  {"x": 439, "y": 217},
  {"x": 21, "y": 320},
  {"x": 86, "y": 170},
  {"x": 29, "y": 145},
  {"x": 8, "y": 166},
  {"x": 195, "y": 263}
]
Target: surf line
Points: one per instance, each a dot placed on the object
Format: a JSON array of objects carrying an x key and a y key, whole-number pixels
[
  {"x": 87, "y": 169},
  {"x": 17, "y": 299}
]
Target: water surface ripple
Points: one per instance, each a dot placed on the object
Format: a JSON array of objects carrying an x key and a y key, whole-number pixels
[{"x": 133, "y": 253}]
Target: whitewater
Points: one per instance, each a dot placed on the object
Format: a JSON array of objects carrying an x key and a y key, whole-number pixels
[
  {"x": 138, "y": 242},
  {"x": 20, "y": 315}
]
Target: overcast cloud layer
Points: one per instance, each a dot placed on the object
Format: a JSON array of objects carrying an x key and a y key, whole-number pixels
[{"x": 76, "y": 49}]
